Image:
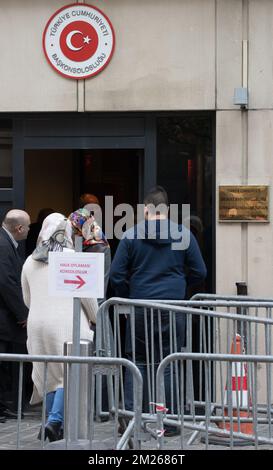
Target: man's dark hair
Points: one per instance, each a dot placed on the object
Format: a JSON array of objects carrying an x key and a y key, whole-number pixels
[{"x": 156, "y": 196}]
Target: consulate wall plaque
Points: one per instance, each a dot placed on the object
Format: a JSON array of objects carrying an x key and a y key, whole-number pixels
[{"x": 243, "y": 203}]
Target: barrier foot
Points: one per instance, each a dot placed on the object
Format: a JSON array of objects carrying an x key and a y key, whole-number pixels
[
  {"x": 219, "y": 439},
  {"x": 80, "y": 444}
]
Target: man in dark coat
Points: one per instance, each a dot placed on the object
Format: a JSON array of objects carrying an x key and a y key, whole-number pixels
[
  {"x": 148, "y": 264},
  {"x": 13, "y": 312}
]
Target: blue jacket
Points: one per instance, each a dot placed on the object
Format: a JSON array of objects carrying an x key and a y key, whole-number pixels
[{"x": 149, "y": 268}]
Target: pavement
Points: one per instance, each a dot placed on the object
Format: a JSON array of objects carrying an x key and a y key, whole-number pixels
[{"x": 23, "y": 435}]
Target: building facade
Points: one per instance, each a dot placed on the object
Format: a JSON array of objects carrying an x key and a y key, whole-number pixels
[{"x": 162, "y": 111}]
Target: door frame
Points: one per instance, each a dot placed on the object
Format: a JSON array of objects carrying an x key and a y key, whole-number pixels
[
  {"x": 132, "y": 130},
  {"x": 37, "y": 133}
]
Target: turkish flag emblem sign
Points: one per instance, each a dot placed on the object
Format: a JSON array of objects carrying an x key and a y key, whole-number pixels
[{"x": 78, "y": 41}]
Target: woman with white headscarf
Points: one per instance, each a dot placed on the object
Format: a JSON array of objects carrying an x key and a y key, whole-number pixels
[{"x": 50, "y": 319}]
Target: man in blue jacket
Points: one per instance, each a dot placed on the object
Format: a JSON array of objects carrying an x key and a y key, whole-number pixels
[{"x": 148, "y": 265}]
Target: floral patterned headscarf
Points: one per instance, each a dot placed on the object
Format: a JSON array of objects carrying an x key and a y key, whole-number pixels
[
  {"x": 55, "y": 235},
  {"x": 85, "y": 226}
]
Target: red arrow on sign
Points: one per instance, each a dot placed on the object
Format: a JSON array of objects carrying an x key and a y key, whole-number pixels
[{"x": 80, "y": 282}]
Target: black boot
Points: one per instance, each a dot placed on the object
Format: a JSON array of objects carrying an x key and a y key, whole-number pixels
[{"x": 52, "y": 431}]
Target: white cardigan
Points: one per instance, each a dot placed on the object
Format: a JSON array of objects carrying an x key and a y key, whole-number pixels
[{"x": 49, "y": 324}]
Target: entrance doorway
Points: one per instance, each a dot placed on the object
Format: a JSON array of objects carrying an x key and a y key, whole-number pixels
[
  {"x": 116, "y": 173},
  {"x": 185, "y": 168},
  {"x": 56, "y": 179},
  {"x": 56, "y": 158}
]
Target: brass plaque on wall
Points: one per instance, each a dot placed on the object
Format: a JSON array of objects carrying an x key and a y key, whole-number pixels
[{"x": 243, "y": 203}]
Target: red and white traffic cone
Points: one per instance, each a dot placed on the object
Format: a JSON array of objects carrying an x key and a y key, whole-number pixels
[{"x": 240, "y": 395}]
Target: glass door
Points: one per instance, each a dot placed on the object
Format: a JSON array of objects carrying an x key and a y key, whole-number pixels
[{"x": 185, "y": 168}]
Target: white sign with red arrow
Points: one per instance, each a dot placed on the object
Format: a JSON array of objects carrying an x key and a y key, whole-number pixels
[{"x": 76, "y": 274}]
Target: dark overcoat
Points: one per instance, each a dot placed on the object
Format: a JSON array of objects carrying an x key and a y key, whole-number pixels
[{"x": 12, "y": 307}]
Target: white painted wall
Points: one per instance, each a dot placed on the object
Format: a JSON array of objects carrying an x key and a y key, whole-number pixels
[
  {"x": 27, "y": 81},
  {"x": 164, "y": 58},
  {"x": 260, "y": 170},
  {"x": 261, "y": 54},
  {"x": 244, "y": 252},
  {"x": 228, "y": 51},
  {"x": 228, "y": 171}
]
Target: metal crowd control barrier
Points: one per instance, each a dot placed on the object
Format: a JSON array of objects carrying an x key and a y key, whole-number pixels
[
  {"x": 109, "y": 343},
  {"x": 215, "y": 331},
  {"x": 237, "y": 298},
  {"x": 240, "y": 304},
  {"x": 241, "y": 416},
  {"x": 96, "y": 366}
]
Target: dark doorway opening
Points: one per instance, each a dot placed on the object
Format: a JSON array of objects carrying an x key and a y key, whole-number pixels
[
  {"x": 111, "y": 172},
  {"x": 56, "y": 178},
  {"x": 114, "y": 172},
  {"x": 185, "y": 167}
]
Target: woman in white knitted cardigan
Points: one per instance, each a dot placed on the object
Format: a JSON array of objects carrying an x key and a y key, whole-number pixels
[{"x": 50, "y": 319}]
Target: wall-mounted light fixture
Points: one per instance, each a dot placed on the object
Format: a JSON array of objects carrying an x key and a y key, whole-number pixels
[
  {"x": 241, "y": 93},
  {"x": 240, "y": 97}
]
